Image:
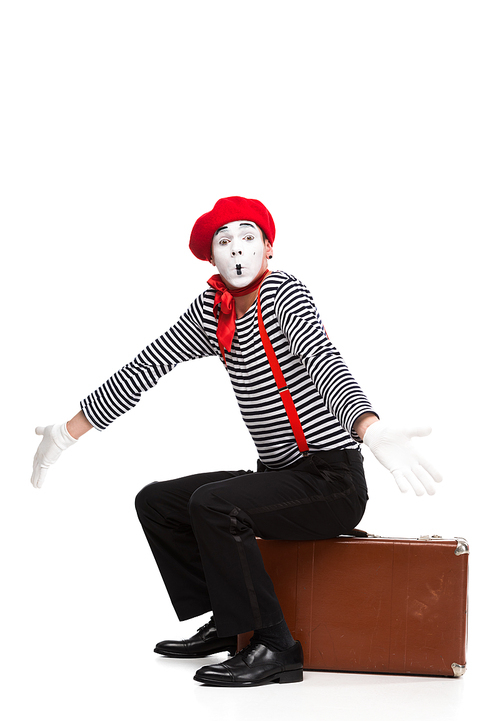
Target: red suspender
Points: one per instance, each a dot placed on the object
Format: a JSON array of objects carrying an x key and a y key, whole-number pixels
[{"x": 286, "y": 397}]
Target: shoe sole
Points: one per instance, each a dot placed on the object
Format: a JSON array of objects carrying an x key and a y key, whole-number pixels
[
  {"x": 202, "y": 654},
  {"x": 284, "y": 677}
]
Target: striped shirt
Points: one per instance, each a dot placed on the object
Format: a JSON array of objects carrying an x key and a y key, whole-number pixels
[{"x": 327, "y": 398}]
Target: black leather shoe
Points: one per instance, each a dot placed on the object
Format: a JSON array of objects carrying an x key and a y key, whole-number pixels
[
  {"x": 255, "y": 665},
  {"x": 204, "y": 642}
]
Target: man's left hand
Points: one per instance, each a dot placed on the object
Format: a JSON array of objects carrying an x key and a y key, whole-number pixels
[{"x": 392, "y": 446}]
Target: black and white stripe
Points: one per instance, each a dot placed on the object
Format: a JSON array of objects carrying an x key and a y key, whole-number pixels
[{"x": 327, "y": 398}]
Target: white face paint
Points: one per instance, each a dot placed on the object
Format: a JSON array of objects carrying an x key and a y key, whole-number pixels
[{"x": 239, "y": 253}]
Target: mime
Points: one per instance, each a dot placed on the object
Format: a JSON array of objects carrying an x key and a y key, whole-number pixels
[{"x": 307, "y": 425}]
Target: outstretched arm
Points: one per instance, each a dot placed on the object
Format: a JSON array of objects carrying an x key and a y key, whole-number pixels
[{"x": 184, "y": 341}]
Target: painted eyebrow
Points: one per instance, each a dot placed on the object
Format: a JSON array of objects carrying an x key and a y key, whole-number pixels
[{"x": 224, "y": 227}]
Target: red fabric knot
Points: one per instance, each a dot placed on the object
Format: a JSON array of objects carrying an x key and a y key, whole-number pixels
[{"x": 225, "y": 307}]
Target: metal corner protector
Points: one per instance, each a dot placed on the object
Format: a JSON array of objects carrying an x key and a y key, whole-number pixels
[{"x": 462, "y": 547}]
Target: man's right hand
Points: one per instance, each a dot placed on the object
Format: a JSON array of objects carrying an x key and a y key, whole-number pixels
[{"x": 55, "y": 440}]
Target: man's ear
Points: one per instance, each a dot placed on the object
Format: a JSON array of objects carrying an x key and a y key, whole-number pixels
[
  {"x": 268, "y": 248},
  {"x": 212, "y": 261}
]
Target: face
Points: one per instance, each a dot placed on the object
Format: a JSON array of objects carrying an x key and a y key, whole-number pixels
[{"x": 240, "y": 253}]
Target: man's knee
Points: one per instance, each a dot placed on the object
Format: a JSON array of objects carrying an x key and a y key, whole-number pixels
[{"x": 145, "y": 499}]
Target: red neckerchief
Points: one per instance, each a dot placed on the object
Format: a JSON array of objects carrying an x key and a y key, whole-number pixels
[{"x": 227, "y": 313}]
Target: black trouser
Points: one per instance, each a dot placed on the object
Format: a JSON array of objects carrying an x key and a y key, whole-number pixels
[{"x": 202, "y": 531}]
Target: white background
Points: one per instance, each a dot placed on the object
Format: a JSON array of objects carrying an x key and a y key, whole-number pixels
[{"x": 370, "y": 130}]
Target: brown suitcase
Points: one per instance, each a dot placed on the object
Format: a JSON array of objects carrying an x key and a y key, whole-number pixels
[{"x": 379, "y": 605}]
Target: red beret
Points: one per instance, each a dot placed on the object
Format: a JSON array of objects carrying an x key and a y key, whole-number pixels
[{"x": 227, "y": 210}]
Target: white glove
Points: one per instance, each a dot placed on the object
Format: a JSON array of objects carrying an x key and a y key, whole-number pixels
[
  {"x": 393, "y": 448},
  {"x": 55, "y": 440}
]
